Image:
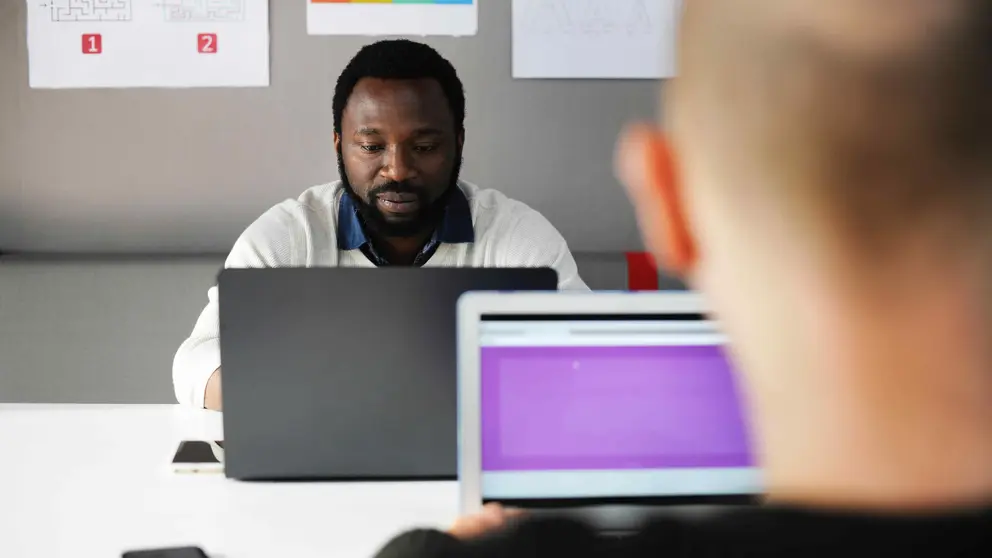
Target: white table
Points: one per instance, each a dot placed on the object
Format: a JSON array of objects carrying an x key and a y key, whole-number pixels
[{"x": 87, "y": 481}]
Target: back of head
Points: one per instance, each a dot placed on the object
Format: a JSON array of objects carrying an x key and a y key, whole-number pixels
[
  {"x": 876, "y": 112},
  {"x": 850, "y": 138},
  {"x": 825, "y": 177}
]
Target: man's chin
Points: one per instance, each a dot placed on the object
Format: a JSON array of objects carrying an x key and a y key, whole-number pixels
[{"x": 399, "y": 227}]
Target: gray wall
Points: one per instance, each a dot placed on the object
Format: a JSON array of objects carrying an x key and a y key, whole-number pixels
[
  {"x": 96, "y": 330},
  {"x": 186, "y": 170}
]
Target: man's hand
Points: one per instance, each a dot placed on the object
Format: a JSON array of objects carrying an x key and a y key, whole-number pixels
[
  {"x": 211, "y": 396},
  {"x": 493, "y": 517}
]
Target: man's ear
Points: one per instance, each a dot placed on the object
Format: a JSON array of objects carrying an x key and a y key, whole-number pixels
[
  {"x": 647, "y": 166},
  {"x": 461, "y": 139},
  {"x": 337, "y": 142}
]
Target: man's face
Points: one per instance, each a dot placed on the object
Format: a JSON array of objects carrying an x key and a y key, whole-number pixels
[{"x": 399, "y": 154}]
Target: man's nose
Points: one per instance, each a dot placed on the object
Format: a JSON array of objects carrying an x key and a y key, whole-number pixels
[{"x": 399, "y": 164}]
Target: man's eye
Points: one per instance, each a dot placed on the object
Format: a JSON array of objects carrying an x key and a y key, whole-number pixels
[
  {"x": 425, "y": 148},
  {"x": 371, "y": 148}
]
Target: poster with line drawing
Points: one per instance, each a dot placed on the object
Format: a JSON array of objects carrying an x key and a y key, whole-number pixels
[
  {"x": 148, "y": 43},
  {"x": 610, "y": 39},
  {"x": 393, "y": 17}
]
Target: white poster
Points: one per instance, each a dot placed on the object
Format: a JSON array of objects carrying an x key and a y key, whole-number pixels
[
  {"x": 148, "y": 43},
  {"x": 393, "y": 17},
  {"x": 613, "y": 39}
]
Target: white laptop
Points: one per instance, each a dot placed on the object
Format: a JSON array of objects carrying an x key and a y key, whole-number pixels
[{"x": 611, "y": 406}]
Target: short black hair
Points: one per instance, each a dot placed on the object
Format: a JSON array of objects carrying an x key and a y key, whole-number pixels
[{"x": 400, "y": 59}]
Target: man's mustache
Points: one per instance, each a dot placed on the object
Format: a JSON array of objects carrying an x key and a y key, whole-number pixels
[
  {"x": 394, "y": 187},
  {"x": 402, "y": 187}
]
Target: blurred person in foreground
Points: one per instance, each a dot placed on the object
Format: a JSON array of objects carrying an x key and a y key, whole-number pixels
[{"x": 825, "y": 179}]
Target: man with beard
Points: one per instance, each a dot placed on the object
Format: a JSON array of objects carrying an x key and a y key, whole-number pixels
[{"x": 399, "y": 112}]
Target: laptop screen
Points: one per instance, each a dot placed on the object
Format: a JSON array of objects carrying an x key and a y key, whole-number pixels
[{"x": 592, "y": 409}]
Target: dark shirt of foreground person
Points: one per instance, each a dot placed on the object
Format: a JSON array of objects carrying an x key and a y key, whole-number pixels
[{"x": 765, "y": 533}]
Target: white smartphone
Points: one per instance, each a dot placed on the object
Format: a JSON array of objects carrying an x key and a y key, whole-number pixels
[{"x": 195, "y": 456}]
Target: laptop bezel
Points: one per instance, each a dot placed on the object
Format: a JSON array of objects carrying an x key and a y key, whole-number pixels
[{"x": 473, "y": 306}]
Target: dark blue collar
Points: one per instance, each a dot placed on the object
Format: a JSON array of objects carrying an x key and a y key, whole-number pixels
[{"x": 455, "y": 228}]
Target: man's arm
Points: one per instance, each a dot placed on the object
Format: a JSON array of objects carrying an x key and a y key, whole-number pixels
[
  {"x": 276, "y": 239},
  {"x": 549, "y": 538},
  {"x": 211, "y": 395},
  {"x": 532, "y": 241}
]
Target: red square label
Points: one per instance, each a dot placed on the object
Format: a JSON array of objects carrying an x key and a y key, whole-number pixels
[
  {"x": 206, "y": 43},
  {"x": 92, "y": 43}
]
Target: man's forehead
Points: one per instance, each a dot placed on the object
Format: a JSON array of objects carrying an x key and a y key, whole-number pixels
[{"x": 381, "y": 101}]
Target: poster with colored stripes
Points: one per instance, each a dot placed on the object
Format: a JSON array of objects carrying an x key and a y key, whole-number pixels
[{"x": 393, "y": 17}]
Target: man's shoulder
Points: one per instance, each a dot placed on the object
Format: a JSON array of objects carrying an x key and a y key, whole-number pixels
[
  {"x": 501, "y": 218},
  {"x": 316, "y": 205},
  {"x": 488, "y": 201},
  {"x": 313, "y": 211},
  {"x": 289, "y": 230},
  {"x": 322, "y": 199},
  {"x": 491, "y": 207}
]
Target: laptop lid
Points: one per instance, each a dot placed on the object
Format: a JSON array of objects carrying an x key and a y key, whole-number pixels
[
  {"x": 346, "y": 373},
  {"x": 598, "y": 400}
]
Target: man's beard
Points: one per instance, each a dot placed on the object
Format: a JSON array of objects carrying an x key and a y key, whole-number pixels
[{"x": 427, "y": 218}]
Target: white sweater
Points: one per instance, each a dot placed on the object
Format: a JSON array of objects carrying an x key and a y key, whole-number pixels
[{"x": 303, "y": 233}]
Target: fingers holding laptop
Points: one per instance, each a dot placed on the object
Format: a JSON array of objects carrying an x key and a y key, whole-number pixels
[{"x": 493, "y": 517}]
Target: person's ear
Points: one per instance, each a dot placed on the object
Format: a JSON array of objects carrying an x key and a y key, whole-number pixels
[
  {"x": 337, "y": 142},
  {"x": 461, "y": 140},
  {"x": 647, "y": 166}
]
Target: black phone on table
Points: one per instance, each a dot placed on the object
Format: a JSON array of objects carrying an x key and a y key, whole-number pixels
[{"x": 198, "y": 456}]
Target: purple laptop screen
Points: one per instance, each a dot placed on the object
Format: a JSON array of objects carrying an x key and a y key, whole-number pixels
[{"x": 587, "y": 408}]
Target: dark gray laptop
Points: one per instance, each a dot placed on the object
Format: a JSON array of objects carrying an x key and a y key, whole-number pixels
[{"x": 346, "y": 373}]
